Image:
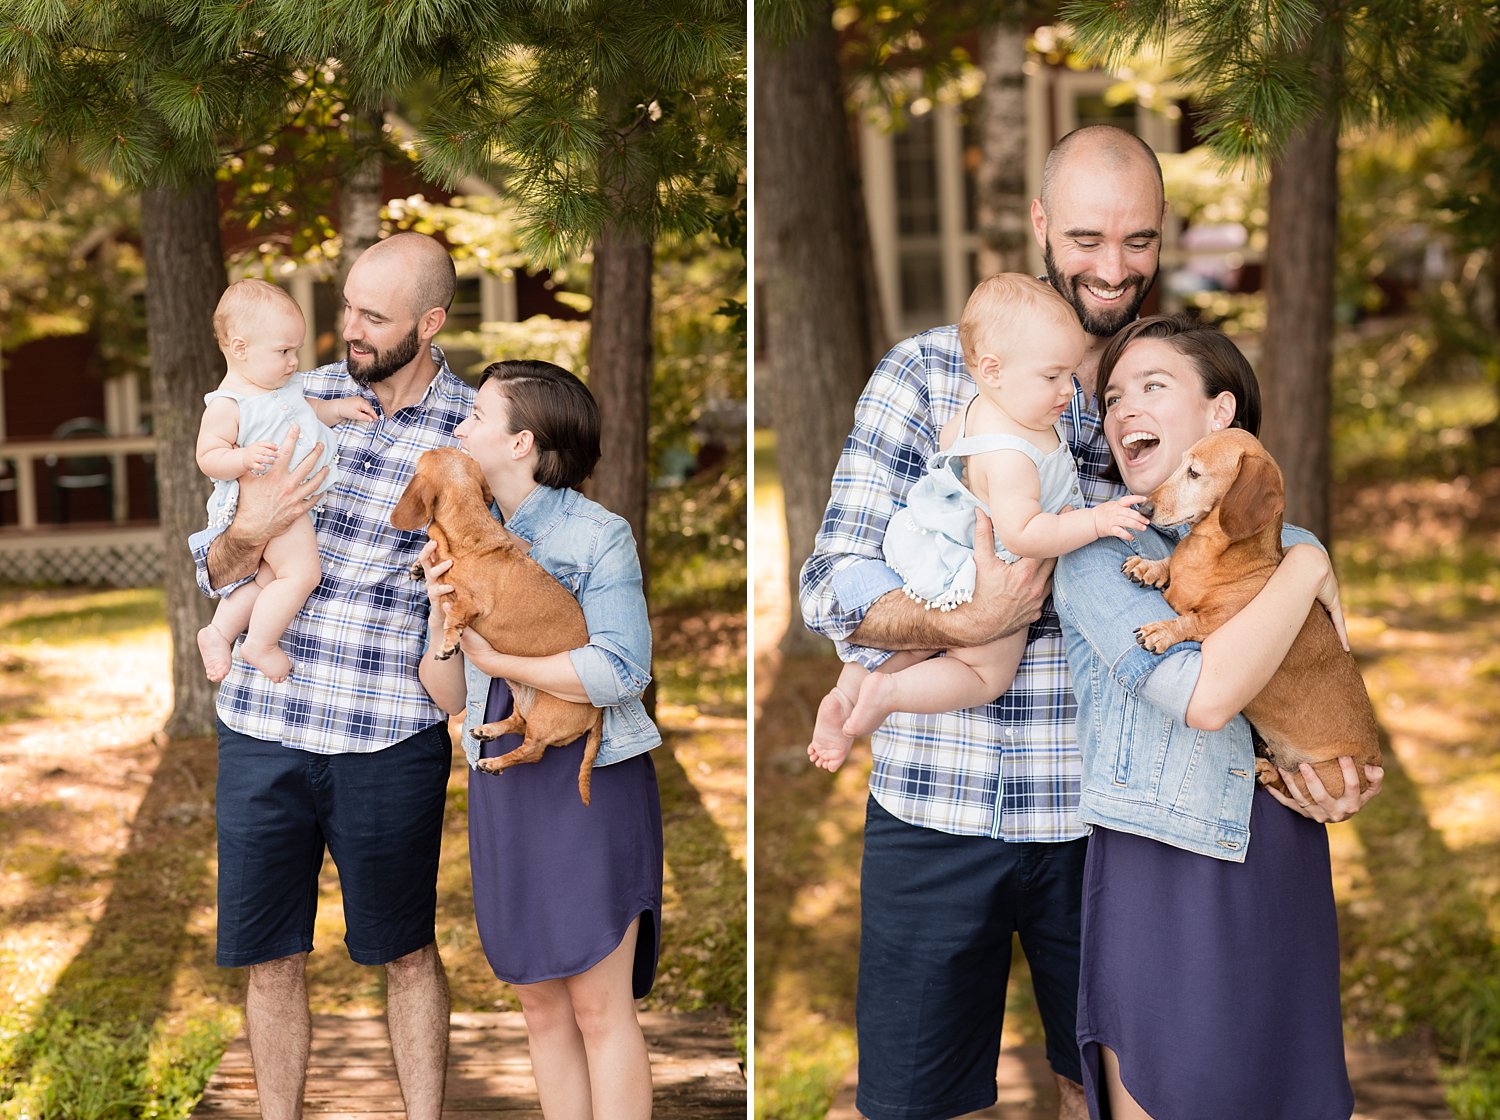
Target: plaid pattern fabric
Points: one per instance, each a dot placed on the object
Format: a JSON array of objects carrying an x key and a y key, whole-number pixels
[
  {"x": 1009, "y": 769},
  {"x": 356, "y": 643}
]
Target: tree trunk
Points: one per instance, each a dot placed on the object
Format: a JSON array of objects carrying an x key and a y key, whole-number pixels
[
  {"x": 620, "y": 355},
  {"x": 360, "y": 192},
  {"x": 621, "y": 347},
  {"x": 184, "y": 278},
  {"x": 813, "y": 295},
  {"x": 1297, "y": 369},
  {"x": 1001, "y": 188}
]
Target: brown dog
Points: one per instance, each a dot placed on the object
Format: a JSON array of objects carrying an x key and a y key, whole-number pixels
[
  {"x": 1315, "y": 708},
  {"x": 507, "y": 597}
]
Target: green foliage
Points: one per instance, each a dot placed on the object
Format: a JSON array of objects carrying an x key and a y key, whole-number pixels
[
  {"x": 605, "y": 112},
  {"x": 593, "y": 112},
  {"x": 68, "y": 265},
  {"x": 1262, "y": 69}
]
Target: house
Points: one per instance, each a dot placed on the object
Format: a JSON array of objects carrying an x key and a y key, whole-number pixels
[{"x": 77, "y": 484}]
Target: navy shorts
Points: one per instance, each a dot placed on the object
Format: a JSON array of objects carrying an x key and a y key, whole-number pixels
[
  {"x": 379, "y": 815},
  {"x": 937, "y": 914}
]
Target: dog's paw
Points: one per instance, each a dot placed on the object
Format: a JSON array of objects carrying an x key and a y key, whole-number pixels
[
  {"x": 1148, "y": 573},
  {"x": 445, "y": 653},
  {"x": 1155, "y": 636},
  {"x": 489, "y": 765}
]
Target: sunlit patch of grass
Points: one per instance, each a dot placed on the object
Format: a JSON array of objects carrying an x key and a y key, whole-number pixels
[{"x": 59, "y": 618}]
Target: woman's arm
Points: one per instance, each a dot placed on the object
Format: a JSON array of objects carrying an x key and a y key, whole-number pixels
[
  {"x": 443, "y": 680},
  {"x": 1241, "y": 656},
  {"x": 615, "y": 664},
  {"x": 554, "y": 673}
]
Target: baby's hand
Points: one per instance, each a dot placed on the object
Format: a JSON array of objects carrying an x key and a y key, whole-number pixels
[
  {"x": 356, "y": 408},
  {"x": 1116, "y": 518},
  {"x": 256, "y": 458}
]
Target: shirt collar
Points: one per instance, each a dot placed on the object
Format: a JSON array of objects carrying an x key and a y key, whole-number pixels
[{"x": 537, "y": 512}]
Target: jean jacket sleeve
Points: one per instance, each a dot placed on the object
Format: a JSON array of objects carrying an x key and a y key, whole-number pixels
[
  {"x": 1105, "y": 608},
  {"x": 616, "y": 664},
  {"x": 885, "y": 453}
]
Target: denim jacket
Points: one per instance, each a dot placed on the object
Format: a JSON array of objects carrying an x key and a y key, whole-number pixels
[
  {"x": 1145, "y": 771},
  {"x": 591, "y": 551}
]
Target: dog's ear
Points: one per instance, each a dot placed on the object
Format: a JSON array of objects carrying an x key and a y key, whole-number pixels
[
  {"x": 414, "y": 510},
  {"x": 1255, "y": 498}
]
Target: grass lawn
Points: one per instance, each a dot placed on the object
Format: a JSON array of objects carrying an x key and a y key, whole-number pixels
[
  {"x": 110, "y": 1004},
  {"x": 1417, "y": 874}
]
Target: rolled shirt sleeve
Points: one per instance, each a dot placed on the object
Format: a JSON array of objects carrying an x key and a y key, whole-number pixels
[{"x": 885, "y": 453}]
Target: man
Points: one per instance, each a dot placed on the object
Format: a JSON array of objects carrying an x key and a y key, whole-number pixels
[
  {"x": 971, "y": 831},
  {"x": 350, "y": 752}
]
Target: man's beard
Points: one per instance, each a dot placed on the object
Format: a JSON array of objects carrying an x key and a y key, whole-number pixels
[
  {"x": 383, "y": 363},
  {"x": 1100, "y": 324}
]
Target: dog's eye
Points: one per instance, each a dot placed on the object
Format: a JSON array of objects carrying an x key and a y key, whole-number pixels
[{"x": 1192, "y": 473}]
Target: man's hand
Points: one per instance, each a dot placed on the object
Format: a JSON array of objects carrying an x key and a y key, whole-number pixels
[
  {"x": 1006, "y": 598},
  {"x": 268, "y": 505}
]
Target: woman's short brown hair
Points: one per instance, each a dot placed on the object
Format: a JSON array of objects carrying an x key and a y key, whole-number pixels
[
  {"x": 1220, "y": 365},
  {"x": 559, "y": 412}
]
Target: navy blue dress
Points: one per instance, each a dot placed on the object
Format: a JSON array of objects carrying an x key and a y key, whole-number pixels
[
  {"x": 1216, "y": 983},
  {"x": 557, "y": 882}
]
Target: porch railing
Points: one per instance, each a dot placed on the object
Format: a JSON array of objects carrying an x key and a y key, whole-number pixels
[{"x": 25, "y": 455}]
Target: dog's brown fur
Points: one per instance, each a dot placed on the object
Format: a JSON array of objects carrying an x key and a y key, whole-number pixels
[
  {"x": 507, "y": 597},
  {"x": 1315, "y": 708}
]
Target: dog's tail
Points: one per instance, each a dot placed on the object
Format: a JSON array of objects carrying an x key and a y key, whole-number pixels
[{"x": 590, "y": 751}]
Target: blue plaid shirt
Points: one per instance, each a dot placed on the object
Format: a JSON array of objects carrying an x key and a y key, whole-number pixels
[
  {"x": 356, "y": 643},
  {"x": 1009, "y": 769}
]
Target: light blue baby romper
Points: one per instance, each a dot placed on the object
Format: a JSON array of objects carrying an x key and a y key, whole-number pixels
[
  {"x": 266, "y": 417},
  {"x": 930, "y": 542}
]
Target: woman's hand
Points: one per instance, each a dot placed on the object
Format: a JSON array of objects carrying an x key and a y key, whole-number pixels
[
  {"x": 431, "y": 571},
  {"x": 1320, "y": 805}
]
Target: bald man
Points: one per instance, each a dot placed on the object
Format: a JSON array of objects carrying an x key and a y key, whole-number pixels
[
  {"x": 971, "y": 828},
  {"x": 349, "y": 754}
]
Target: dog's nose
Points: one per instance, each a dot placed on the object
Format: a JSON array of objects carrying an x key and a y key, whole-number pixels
[{"x": 1147, "y": 510}]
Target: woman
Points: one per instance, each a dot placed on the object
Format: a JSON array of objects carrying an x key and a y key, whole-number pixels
[
  {"x": 567, "y": 897},
  {"x": 1209, "y": 979}
]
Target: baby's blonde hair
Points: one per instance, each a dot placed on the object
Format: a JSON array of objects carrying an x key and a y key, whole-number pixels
[
  {"x": 1000, "y": 304},
  {"x": 246, "y": 299}
]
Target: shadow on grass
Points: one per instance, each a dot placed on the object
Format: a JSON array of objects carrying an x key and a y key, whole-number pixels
[
  {"x": 794, "y": 848},
  {"x": 94, "y": 1028},
  {"x": 1425, "y": 951},
  {"x": 707, "y": 962}
]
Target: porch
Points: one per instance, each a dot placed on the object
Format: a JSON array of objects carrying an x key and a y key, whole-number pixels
[{"x": 80, "y": 510}]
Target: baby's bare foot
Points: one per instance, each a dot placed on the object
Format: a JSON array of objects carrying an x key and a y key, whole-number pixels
[
  {"x": 830, "y": 746},
  {"x": 872, "y": 707},
  {"x": 268, "y": 659},
  {"x": 217, "y": 653}
]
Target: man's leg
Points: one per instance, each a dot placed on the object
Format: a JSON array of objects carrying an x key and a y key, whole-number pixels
[
  {"x": 936, "y": 919},
  {"x": 1071, "y": 1103},
  {"x": 279, "y": 1028},
  {"x": 383, "y": 815},
  {"x": 1051, "y": 930},
  {"x": 416, "y": 1010}
]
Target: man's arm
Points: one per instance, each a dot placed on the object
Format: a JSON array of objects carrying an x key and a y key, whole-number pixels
[
  {"x": 268, "y": 505},
  {"x": 848, "y": 593}
]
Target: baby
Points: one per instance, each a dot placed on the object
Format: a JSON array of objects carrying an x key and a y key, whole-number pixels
[
  {"x": 1005, "y": 454},
  {"x": 260, "y": 328}
]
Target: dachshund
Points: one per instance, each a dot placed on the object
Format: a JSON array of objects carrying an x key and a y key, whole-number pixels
[
  {"x": 507, "y": 597},
  {"x": 1315, "y": 708}
]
